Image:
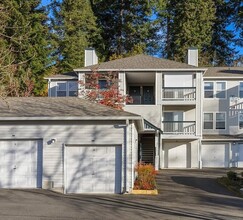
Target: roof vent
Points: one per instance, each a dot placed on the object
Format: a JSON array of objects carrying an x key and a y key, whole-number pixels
[
  {"x": 90, "y": 57},
  {"x": 192, "y": 56}
]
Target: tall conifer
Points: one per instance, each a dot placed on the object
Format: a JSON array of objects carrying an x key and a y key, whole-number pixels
[{"x": 74, "y": 29}]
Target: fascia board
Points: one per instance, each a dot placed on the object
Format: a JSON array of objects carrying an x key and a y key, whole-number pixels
[
  {"x": 222, "y": 77},
  {"x": 100, "y": 118}
]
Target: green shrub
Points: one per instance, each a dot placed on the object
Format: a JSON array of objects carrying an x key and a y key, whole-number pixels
[
  {"x": 232, "y": 175},
  {"x": 145, "y": 177}
]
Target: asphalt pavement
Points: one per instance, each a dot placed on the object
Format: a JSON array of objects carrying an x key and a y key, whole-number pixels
[{"x": 183, "y": 194}]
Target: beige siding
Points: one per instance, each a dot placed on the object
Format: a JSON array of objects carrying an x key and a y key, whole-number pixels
[
  {"x": 152, "y": 113},
  {"x": 111, "y": 133},
  {"x": 223, "y": 105}
]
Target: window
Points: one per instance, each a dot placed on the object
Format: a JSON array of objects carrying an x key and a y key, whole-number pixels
[
  {"x": 102, "y": 84},
  {"x": 208, "y": 90},
  {"x": 208, "y": 120},
  {"x": 215, "y": 90},
  {"x": 220, "y": 90},
  {"x": 241, "y": 90},
  {"x": 72, "y": 88},
  {"x": 220, "y": 120},
  {"x": 214, "y": 120},
  {"x": 67, "y": 89},
  {"x": 240, "y": 120},
  {"x": 61, "y": 89}
]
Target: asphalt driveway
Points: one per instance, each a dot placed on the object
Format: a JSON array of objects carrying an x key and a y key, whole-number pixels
[{"x": 183, "y": 194}]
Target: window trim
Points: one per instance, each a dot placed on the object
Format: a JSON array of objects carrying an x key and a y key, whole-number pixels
[
  {"x": 215, "y": 122},
  {"x": 57, "y": 90},
  {"x": 208, "y": 121},
  {"x": 215, "y": 89},
  {"x": 67, "y": 88},
  {"x": 239, "y": 120},
  {"x": 239, "y": 89},
  {"x": 218, "y": 121}
]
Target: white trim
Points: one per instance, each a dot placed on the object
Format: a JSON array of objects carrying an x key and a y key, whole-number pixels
[
  {"x": 214, "y": 121},
  {"x": 214, "y": 90},
  {"x": 222, "y": 77},
  {"x": 229, "y": 140},
  {"x": 64, "y": 169},
  {"x": 67, "y": 88},
  {"x": 239, "y": 89},
  {"x": 61, "y": 78},
  {"x": 63, "y": 118}
]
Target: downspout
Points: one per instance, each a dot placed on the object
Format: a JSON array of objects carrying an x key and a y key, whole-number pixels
[
  {"x": 125, "y": 156},
  {"x": 132, "y": 165}
]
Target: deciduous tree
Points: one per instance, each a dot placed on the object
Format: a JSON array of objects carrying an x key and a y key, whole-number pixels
[{"x": 106, "y": 94}]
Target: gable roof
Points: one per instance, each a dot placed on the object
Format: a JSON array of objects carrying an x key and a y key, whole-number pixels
[
  {"x": 61, "y": 108},
  {"x": 138, "y": 62},
  {"x": 214, "y": 72}
]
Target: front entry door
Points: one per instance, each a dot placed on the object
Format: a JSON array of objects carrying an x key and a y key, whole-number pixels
[
  {"x": 148, "y": 97},
  {"x": 134, "y": 92}
]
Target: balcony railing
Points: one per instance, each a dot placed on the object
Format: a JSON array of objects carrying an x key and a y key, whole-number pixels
[
  {"x": 141, "y": 100},
  {"x": 179, "y": 127},
  {"x": 179, "y": 94}
]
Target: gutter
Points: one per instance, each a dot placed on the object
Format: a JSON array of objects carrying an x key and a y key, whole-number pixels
[
  {"x": 206, "y": 140},
  {"x": 64, "y": 118}
]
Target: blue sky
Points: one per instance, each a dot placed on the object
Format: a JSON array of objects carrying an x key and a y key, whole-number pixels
[{"x": 240, "y": 49}]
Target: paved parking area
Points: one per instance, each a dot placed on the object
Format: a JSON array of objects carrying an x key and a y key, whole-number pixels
[{"x": 183, "y": 194}]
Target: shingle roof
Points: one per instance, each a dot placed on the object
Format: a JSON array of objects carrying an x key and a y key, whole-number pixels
[
  {"x": 57, "y": 107},
  {"x": 69, "y": 75},
  {"x": 139, "y": 62},
  {"x": 224, "y": 72}
]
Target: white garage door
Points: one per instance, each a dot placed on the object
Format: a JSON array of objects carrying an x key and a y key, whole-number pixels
[
  {"x": 94, "y": 169},
  {"x": 20, "y": 164},
  {"x": 176, "y": 156},
  {"x": 215, "y": 155},
  {"x": 239, "y": 156}
]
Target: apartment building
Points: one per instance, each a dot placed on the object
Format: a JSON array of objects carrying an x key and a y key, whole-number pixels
[{"x": 192, "y": 116}]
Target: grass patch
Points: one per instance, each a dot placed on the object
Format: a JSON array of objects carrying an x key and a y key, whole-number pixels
[{"x": 232, "y": 182}]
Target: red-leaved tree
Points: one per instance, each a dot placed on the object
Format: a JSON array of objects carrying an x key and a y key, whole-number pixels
[{"x": 103, "y": 88}]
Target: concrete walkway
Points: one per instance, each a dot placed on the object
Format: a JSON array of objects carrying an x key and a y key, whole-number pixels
[{"x": 184, "y": 194}]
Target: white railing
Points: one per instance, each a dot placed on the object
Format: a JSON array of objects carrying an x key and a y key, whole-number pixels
[
  {"x": 179, "y": 94},
  {"x": 179, "y": 127}
]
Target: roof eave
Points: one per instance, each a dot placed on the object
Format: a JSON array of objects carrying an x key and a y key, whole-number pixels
[
  {"x": 154, "y": 70},
  {"x": 223, "y": 77},
  {"x": 71, "y": 118},
  {"x": 55, "y": 78}
]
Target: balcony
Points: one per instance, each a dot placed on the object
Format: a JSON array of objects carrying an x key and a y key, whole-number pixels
[
  {"x": 179, "y": 94},
  {"x": 179, "y": 127},
  {"x": 141, "y": 100}
]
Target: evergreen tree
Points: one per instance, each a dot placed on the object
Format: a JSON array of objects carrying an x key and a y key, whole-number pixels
[
  {"x": 189, "y": 24},
  {"x": 237, "y": 17},
  {"x": 219, "y": 51},
  {"x": 24, "y": 35},
  {"x": 127, "y": 25},
  {"x": 74, "y": 29}
]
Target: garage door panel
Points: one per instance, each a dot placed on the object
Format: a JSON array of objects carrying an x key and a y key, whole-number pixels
[
  {"x": 95, "y": 172},
  {"x": 20, "y": 164},
  {"x": 215, "y": 155},
  {"x": 176, "y": 156}
]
